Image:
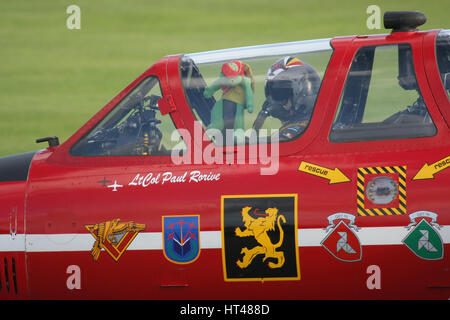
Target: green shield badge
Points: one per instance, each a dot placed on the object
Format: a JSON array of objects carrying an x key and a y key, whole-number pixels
[{"x": 424, "y": 239}]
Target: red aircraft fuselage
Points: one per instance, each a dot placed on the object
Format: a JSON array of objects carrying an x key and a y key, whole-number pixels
[{"x": 340, "y": 219}]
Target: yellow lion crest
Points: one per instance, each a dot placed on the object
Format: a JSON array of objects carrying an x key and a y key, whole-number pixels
[{"x": 257, "y": 228}]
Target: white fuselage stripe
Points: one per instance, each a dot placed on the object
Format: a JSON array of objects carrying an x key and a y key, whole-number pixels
[{"x": 208, "y": 239}]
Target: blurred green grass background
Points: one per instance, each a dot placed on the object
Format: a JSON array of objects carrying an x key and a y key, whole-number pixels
[{"x": 52, "y": 79}]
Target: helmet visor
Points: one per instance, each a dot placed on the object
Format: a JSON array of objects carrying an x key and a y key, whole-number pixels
[{"x": 280, "y": 90}]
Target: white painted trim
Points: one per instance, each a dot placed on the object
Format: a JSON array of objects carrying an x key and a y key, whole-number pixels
[
  {"x": 208, "y": 239},
  {"x": 8, "y": 243}
]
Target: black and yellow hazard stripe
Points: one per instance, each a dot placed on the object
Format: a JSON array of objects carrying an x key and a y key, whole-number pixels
[{"x": 401, "y": 209}]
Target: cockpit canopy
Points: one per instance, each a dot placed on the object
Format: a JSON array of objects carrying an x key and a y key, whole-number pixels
[
  {"x": 270, "y": 92},
  {"x": 283, "y": 101}
]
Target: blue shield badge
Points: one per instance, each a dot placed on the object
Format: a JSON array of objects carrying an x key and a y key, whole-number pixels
[{"x": 181, "y": 238}]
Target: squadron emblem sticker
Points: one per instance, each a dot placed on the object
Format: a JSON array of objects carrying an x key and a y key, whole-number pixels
[
  {"x": 342, "y": 241},
  {"x": 423, "y": 239},
  {"x": 113, "y": 236},
  {"x": 259, "y": 236},
  {"x": 181, "y": 238}
]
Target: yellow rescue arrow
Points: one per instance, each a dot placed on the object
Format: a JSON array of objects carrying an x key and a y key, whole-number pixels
[
  {"x": 429, "y": 170},
  {"x": 333, "y": 175}
]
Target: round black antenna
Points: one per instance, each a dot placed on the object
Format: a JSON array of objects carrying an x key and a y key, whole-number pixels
[{"x": 403, "y": 21}]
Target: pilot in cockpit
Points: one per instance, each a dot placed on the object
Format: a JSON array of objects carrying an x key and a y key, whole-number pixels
[{"x": 291, "y": 89}]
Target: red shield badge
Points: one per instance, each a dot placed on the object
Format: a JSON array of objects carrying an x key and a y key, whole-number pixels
[{"x": 341, "y": 240}]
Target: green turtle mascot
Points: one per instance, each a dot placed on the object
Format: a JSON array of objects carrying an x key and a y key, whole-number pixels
[{"x": 237, "y": 83}]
